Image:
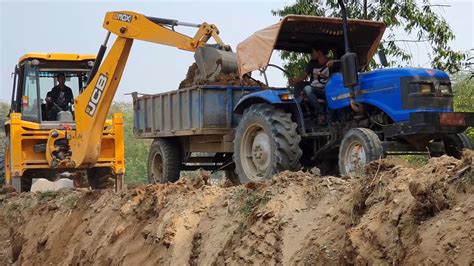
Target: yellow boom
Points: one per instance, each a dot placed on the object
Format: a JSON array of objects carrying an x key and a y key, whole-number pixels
[{"x": 91, "y": 107}]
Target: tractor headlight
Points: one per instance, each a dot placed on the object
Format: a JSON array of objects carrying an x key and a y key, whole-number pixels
[
  {"x": 444, "y": 89},
  {"x": 426, "y": 88}
]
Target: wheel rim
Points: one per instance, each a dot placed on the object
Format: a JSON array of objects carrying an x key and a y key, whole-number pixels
[
  {"x": 156, "y": 168},
  {"x": 255, "y": 153},
  {"x": 355, "y": 158}
]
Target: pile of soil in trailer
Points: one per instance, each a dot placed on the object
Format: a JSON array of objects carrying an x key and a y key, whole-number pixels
[
  {"x": 393, "y": 215},
  {"x": 231, "y": 79}
]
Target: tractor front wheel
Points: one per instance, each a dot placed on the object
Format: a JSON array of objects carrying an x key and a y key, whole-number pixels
[
  {"x": 359, "y": 147},
  {"x": 455, "y": 143}
]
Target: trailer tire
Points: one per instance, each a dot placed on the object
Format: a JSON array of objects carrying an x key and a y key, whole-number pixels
[
  {"x": 358, "y": 147},
  {"x": 100, "y": 177},
  {"x": 164, "y": 161},
  {"x": 266, "y": 142},
  {"x": 455, "y": 143}
]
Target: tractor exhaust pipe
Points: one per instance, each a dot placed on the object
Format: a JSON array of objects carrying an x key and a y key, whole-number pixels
[{"x": 349, "y": 62}]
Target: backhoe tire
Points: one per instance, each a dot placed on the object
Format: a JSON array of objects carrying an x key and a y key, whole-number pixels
[
  {"x": 25, "y": 182},
  {"x": 266, "y": 142},
  {"x": 232, "y": 176},
  {"x": 2, "y": 169},
  {"x": 455, "y": 143},
  {"x": 100, "y": 177},
  {"x": 359, "y": 147},
  {"x": 164, "y": 161}
]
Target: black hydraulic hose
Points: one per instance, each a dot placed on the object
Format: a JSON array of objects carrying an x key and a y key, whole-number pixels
[
  {"x": 98, "y": 60},
  {"x": 13, "y": 106},
  {"x": 344, "y": 25}
]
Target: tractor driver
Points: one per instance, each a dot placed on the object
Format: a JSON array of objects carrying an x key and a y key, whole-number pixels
[
  {"x": 318, "y": 70},
  {"x": 59, "y": 97}
]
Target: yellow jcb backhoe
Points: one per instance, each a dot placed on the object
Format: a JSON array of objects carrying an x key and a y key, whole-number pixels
[{"x": 44, "y": 140}]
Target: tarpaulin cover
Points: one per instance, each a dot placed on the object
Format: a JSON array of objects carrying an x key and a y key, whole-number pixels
[{"x": 297, "y": 33}]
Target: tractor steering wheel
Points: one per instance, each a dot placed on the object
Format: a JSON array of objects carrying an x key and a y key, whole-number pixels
[{"x": 320, "y": 77}]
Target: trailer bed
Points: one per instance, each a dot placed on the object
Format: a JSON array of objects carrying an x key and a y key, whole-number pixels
[{"x": 201, "y": 110}]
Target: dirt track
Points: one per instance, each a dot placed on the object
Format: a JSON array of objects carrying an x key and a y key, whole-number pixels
[{"x": 394, "y": 215}]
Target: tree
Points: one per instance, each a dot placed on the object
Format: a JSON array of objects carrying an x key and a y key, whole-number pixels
[
  {"x": 136, "y": 150},
  {"x": 407, "y": 15}
]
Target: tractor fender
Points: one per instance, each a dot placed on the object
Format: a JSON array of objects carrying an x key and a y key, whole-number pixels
[{"x": 270, "y": 96}]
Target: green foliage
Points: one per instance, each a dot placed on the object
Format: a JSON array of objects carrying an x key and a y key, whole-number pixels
[
  {"x": 4, "y": 108},
  {"x": 464, "y": 98},
  {"x": 416, "y": 160},
  {"x": 136, "y": 150},
  {"x": 46, "y": 194},
  {"x": 250, "y": 200},
  {"x": 71, "y": 201},
  {"x": 407, "y": 15}
]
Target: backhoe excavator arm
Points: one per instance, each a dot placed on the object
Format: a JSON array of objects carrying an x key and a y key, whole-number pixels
[
  {"x": 92, "y": 106},
  {"x": 137, "y": 26}
]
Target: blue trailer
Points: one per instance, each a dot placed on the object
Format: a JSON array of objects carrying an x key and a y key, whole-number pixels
[
  {"x": 255, "y": 132},
  {"x": 193, "y": 128}
]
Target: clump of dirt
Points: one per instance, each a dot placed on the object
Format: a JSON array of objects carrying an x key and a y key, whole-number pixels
[
  {"x": 395, "y": 214},
  {"x": 231, "y": 79}
]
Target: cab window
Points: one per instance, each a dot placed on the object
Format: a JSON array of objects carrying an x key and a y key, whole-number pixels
[{"x": 30, "y": 101}]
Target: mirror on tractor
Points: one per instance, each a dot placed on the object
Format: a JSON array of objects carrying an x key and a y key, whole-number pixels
[
  {"x": 349, "y": 70},
  {"x": 382, "y": 58},
  {"x": 348, "y": 60}
]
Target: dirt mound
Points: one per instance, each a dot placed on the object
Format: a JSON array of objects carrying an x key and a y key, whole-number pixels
[
  {"x": 231, "y": 79},
  {"x": 394, "y": 215}
]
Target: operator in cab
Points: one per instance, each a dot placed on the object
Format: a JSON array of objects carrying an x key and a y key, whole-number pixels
[
  {"x": 318, "y": 70},
  {"x": 59, "y": 98}
]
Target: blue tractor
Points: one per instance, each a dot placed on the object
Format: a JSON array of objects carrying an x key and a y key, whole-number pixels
[{"x": 370, "y": 114}]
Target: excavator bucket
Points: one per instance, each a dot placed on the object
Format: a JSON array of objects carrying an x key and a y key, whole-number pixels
[{"x": 212, "y": 61}]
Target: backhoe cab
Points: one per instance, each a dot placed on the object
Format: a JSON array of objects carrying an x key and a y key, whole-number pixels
[{"x": 33, "y": 148}]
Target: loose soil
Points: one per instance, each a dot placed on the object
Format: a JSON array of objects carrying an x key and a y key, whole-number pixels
[
  {"x": 231, "y": 79},
  {"x": 393, "y": 215}
]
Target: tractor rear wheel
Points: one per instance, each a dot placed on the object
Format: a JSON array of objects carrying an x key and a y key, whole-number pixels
[
  {"x": 455, "y": 143},
  {"x": 266, "y": 142},
  {"x": 359, "y": 147},
  {"x": 164, "y": 161}
]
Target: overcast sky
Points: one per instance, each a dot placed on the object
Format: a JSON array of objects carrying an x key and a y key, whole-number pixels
[{"x": 76, "y": 27}]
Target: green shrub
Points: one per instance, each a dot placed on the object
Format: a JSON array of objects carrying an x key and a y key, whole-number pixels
[
  {"x": 136, "y": 150},
  {"x": 464, "y": 98}
]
